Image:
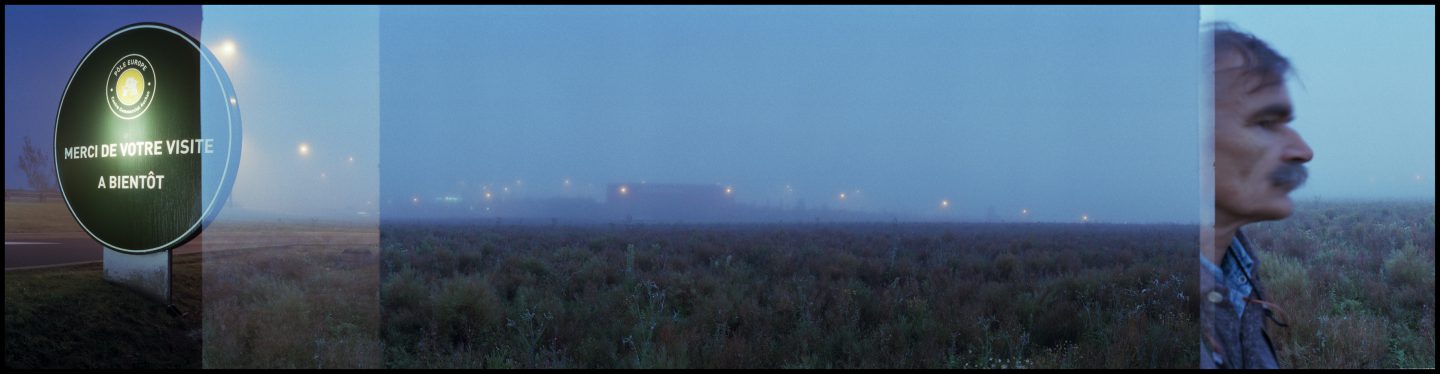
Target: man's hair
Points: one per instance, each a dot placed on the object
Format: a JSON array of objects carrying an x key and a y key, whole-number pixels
[{"x": 1260, "y": 60}]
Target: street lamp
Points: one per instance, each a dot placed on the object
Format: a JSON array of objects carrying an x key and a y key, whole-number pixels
[{"x": 227, "y": 48}]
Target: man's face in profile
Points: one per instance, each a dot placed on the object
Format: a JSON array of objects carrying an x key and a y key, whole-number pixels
[{"x": 1258, "y": 156}]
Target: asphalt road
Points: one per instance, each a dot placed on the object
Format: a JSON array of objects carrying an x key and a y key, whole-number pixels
[
  {"x": 54, "y": 249},
  {"x": 31, "y": 250}
]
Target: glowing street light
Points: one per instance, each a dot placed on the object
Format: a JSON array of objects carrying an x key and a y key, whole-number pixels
[
  {"x": 350, "y": 159},
  {"x": 227, "y": 48},
  {"x": 1084, "y": 218},
  {"x": 624, "y": 190},
  {"x": 945, "y": 203},
  {"x": 842, "y": 196},
  {"x": 729, "y": 190},
  {"x": 304, "y": 149}
]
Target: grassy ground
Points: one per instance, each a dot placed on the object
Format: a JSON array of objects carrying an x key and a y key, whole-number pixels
[
  {"x": 290, "y": 226},
  {"x": 274, "y": 296},
  {"x": 1357, "y": 280},
  {"x": 69, "y": 317},
  {"x": 32, "y": 216},
  {"x": 797, "y": 296},
  {"x": 298, "y": 306}
]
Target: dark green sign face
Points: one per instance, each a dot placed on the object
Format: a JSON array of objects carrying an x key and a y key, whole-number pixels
[{"x": 147, "y": 139}]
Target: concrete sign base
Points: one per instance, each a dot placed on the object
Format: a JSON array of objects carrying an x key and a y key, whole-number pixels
[{"x": 149, "y": 274}]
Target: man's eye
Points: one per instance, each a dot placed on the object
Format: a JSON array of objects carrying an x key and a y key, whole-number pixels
[{"x": 1272, "y": 122}]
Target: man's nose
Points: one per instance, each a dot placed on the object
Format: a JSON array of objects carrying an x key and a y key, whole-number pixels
[{"x": 1298, "y": 151}]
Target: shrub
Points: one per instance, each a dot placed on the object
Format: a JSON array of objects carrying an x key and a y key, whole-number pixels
[
  {"x": 465, "y": 307},
  {"x": 854, "y": 295},
  {"x": 1408, "y": 267}
]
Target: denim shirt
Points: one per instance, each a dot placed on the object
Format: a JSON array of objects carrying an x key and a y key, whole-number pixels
[
  {"x": 1241, "y": 338},
  {"x": 1234, "y": 272}
]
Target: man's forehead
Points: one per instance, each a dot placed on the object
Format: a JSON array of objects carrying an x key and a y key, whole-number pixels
[
  {"x": 1245, "y": 95},
  {"x": 1226, "y": 60},
  {"x": 1272, "y": 99},
  {"x": 1237, "y": 80}
]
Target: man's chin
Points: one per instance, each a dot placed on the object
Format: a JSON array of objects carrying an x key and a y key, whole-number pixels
[{"x": 1280, "y": 208}]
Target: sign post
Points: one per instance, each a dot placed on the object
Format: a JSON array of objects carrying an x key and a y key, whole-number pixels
[
  {"x": 147, "y": 144},
  {"x": 149, "y": 274}
]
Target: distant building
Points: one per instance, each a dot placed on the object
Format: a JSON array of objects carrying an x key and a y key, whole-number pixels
[{"x": 670, "y": 201}]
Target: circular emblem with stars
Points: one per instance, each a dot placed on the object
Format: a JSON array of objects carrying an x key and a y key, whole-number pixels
[{"x": 131, "y": 86}]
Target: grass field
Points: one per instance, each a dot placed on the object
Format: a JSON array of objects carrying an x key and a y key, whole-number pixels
[
  {"x": 292, "y": 307},
  {"x": 797, "y": 296},
  {"x": 1357, "y": 280},
  {"x": 262, "y": 295},
  {"x": 70, "y": 317},
  {"x": 33, "y": 216}
]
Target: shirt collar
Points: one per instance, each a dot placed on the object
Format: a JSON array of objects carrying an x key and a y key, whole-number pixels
[{"x": 1242, "y": 254}]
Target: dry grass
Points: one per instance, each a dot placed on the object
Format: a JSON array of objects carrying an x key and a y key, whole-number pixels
[
  {"x": 35, "y": 217},
  {"x": 292, "y": 307},
  {"x": 1357, "y": 280},
  {"x": 846, "y": 296}
]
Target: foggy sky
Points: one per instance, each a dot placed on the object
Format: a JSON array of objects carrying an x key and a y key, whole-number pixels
[
  {"x": 1064, "y": 111},
  {"x": 304, "y": 76},
  {"x": 1060, "y": 110}
]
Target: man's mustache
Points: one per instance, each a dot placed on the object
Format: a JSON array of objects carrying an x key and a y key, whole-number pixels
[{"x": 1290, "y": 176}]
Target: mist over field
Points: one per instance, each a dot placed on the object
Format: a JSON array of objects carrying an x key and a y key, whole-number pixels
[{"x": 1041, "y": 114}]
